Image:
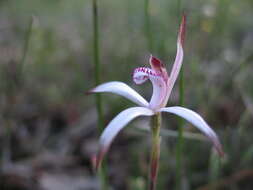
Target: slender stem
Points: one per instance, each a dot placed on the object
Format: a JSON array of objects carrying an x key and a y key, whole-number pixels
[
  {"x": 102, "y": 171},
  {"x": 147, "y": 26},
  {"x": 155, "y": 152},
  {"x": 180, "y": 144},
  {"x": 97, "y": 63}
]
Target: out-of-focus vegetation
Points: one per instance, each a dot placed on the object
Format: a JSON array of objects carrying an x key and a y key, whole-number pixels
[{"x": 48, "y": 126}]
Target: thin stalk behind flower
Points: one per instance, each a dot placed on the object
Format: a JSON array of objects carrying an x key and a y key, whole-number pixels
[
  {"x": 97, "y": 62},
  {"x": 180, "y": 143},
  {"x": 102, "y": 171}
]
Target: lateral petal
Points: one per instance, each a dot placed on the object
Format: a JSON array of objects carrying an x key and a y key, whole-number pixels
[
  {"x": 122, "y": 89},
  {"x": 114, "y": 127},
  {"x": 198, "y": 122}
]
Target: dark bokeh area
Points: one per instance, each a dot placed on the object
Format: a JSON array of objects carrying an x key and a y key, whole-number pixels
[{"x": 48, "y": 125}]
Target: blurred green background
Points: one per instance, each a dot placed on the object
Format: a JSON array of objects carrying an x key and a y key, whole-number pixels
[{"x": 48, "y": 126}]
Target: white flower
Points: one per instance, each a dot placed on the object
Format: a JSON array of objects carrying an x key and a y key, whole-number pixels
[{"x": 162, "y": 87}]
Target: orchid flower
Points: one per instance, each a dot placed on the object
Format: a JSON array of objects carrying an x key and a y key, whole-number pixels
[{"x": 162, "y": 86}]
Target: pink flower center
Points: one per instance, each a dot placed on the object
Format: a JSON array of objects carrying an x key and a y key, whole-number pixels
[{"x": 158, "y": 77}]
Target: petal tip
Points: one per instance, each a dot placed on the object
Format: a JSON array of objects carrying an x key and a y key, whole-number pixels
[
  {"x": 154, "y": 61},
  {"x": 98, "y": 158},
  {"x": 93, "y": 162},
  {"x": 220, "y": 151},
  {"x": 217, "y": 145},
  {"x": 181, "y": 35},
  {"x": 93, "y": 90},
  {"x": 89, "y": 92}
]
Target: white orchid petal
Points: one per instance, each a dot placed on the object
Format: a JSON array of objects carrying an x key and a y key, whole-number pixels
[
  {"x": 198, "y": 122},
  {"x": 122, "y": 89},
  {"x": 115, "y": 126},
  {"x": 120, "y": 121},
  {"x": 179, "y": 58}
]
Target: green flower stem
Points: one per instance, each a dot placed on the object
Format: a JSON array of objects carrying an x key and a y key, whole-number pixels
[
  {"x": 102, "y": 171},
  {"x": 155, "y": 152}
]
